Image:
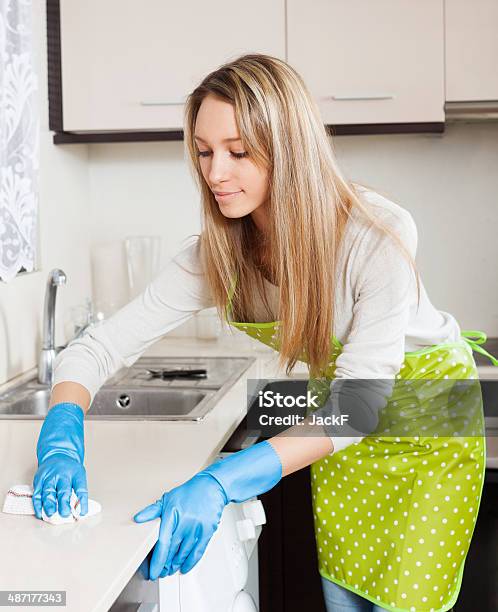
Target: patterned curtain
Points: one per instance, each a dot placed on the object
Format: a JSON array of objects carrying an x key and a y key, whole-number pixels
[{"x": 19, "y": 140}]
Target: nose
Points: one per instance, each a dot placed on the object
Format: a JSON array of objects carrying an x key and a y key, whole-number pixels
[{"x": 219, "y": 170}]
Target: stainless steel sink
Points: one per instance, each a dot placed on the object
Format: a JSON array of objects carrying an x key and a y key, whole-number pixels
[
  {"x": 131, "y": 395},
  {"x": 156, "y": 403},
  {"x": 125, "y": 403},
  {"x": 31, "y": 403}
]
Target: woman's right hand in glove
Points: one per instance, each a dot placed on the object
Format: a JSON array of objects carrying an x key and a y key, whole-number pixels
[{"x": 60, "y": 452}]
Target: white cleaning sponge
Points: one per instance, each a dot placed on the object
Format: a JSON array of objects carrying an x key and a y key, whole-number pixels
[{"x": 19, "y": 500}]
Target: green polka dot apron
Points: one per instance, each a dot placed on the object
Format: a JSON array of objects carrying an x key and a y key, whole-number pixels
[{"x": 394, "y": 515}]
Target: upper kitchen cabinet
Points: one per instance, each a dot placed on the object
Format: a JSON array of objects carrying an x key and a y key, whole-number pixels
[
  {"x": 471, "y": 50},
  {"x": 128, "y": 66},
  {"x": 369, "y": 62}
]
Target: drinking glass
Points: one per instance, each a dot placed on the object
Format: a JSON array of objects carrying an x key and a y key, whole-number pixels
[{"x": 143, "y": 256}]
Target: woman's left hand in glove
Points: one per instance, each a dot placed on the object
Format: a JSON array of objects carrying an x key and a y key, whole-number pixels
[{"x": 191, "y": 512}]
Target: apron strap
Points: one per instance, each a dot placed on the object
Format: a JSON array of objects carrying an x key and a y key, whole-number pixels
[{"x": 475, "y": 338}]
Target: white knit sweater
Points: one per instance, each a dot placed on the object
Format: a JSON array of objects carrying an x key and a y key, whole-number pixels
[{"x": 376, "y": 316}]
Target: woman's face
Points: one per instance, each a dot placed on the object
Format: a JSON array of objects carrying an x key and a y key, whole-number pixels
[{"x": 225, "y": 165}]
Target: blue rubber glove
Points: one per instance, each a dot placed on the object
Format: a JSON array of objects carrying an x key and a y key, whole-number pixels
[
  {"x": 60, "y": 452},
  {"x": 191, "y": 512}
]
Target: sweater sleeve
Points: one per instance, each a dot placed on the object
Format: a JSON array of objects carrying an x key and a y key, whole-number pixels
[
  {"x": 372, "y": 355},
  {"x": 171, "y": 299}
]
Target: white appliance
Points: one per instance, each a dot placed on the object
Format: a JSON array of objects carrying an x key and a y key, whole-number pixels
[{"x": 226, "y": 577}]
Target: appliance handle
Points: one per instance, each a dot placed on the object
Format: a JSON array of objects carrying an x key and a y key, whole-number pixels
[{"x": 241, "y": 438}]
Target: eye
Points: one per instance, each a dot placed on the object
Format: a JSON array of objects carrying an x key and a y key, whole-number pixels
[{"x": 240, "y": 155}]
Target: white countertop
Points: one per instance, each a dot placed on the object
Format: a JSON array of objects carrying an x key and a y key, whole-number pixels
[{"x": 129, "y": 465}]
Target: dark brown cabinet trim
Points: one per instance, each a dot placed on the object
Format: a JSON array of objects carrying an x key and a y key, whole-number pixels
[
  {"x": 54, "y": 66},
  {"x": 61, "y": 137}
]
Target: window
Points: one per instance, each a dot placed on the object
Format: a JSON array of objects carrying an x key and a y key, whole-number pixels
[{"x": 19, "y": 136}]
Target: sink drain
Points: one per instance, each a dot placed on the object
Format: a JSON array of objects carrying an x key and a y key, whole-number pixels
[{"x": 123, "y": 401}]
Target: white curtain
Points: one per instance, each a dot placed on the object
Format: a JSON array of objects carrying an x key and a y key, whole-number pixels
[{"x": 19, "y": 138}]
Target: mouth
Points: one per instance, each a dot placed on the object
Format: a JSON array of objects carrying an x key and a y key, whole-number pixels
[{"x": 225, "y": 195}]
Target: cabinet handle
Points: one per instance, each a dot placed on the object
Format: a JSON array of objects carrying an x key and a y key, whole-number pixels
[
  {"x": 145, "y": 103},
  {"x": 367, "y": 97}
]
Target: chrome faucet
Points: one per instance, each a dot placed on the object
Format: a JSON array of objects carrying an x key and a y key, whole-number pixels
[{"x": 49, "y": 351}]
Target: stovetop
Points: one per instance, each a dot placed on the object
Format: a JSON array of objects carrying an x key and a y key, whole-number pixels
[{"x": 220, "y": 370}]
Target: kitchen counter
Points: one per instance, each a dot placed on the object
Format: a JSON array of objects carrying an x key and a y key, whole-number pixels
[{"x": 129, "y": 465}]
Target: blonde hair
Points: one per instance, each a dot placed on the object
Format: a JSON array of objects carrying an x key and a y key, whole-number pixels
[{"x": 310, "y": 202}]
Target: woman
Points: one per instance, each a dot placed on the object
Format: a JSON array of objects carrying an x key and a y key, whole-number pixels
[{"x": 286, "y": 235}]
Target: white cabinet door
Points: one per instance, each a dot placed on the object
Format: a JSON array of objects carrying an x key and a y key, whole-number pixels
[
  {"x": 471, "y": 50},
  {"x": 370, "y": 61},
  {"x": 128, "y": 65}
]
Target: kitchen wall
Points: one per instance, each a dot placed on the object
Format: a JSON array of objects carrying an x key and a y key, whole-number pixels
[
  {"x": 64, "y": 238},
  {"x": 96, "y": 193},
  {"x": 448, "y": 182},
  {"x": 450, "y": 185}
]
